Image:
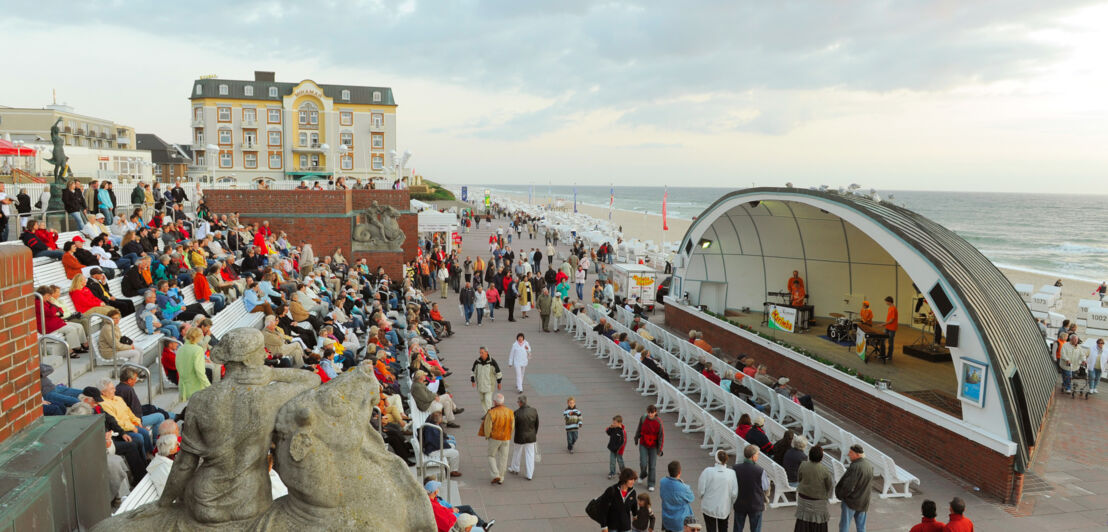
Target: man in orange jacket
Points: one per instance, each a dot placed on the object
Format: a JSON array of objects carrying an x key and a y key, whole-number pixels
[{"x": 498, "y": 427}]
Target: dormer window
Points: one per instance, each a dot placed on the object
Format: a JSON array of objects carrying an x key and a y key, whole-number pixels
[
  {"x": 346, "y": 95},
  {"x": 376, "y": 96},
  {"x": 199, "y": 89},
  {"x": 273, "y": 92},
  {"x": 223, "y": 90},
  {"x": 248, "y": 90}
]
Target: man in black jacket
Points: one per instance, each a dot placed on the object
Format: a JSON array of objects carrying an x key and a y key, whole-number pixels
[
  {"x": 134, "y": 282},
  {"x": 467, "y": 298},
  {"x": 618, "y": 503},
  {"x": 251, "y": 263},
  {"x": 98, "y": 285}
]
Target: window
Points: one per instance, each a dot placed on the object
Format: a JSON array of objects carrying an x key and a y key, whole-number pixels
[
  {"x": 313, "y": 139},
  {"x": 250, "y": 160},
  {"x": 346, "y": 95},
  {"x": 199, "y": 137},
  {"x": 303, "y": 138},
  {"x": 249, "y": 138},
  {"x": 224, "y": 136},
  {"x": 346, "y": 139},
  {"x": 378, "y": 141},
  {"x": 313, "y": 160},
  {"x": 346, "y": 118},
  {"x": 275, "y": 160},
  {"x": 274, "y": 138},
  {"x": 274, "y": 116},
  {"x": 303, "y": 162},
  {"x": 197, "y": 114},
  {"x": 224, "y": 114},
  {"x": 249, "y": 115},
  {"x": 199, "y": 89},
  {"x": 223, "y": 90},
  {"x": 226, "y": 158},
  {"x": 273, "y": 94},
  {"x": 376, "y": 96},
  {"x": 248, "y": 90},
  {"x": 378, "y": 120},
  {"x": 378, "y": 161},
  {"x": 347, "y": 162}
]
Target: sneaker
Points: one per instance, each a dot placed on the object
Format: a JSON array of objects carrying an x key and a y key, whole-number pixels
[
  {"x": 651, "y": 488},
  {"x": 611, "y": 476},
  {"x": 488, "y": 526},
  {"x": 467, "y": 324}
]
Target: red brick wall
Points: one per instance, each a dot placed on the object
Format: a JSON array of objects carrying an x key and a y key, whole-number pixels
[
  {"x": 278, "y": 201},
  {"x": 397, "y": 199},
  {"x": 20, "y": 392},
  {"x": 933, "y": 444}
]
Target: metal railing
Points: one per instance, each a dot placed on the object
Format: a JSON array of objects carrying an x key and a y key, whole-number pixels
[
  {"x": 146, "y": 372},
  {"x": 43, "y": 337}
]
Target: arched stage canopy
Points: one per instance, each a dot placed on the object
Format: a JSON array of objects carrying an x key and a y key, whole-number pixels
[{"x": 749, "y": 241}]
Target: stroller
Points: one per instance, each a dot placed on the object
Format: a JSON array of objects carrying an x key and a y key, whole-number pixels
[{"x": 1079, "y": 384}]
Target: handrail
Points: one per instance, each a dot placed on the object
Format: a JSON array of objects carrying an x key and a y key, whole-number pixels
[
  {"x": 41, "y": 314},
  {"x": 142, "y": 370},
  {"x": 98, "y": 320}
]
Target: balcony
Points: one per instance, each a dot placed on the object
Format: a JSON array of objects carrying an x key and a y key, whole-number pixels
[
  {"x": 313, "y": 168},
  {"x": 249, "y": 122},
  {"x": 250, "y": 145},
  {"x": 309, "y": 126},
  {"x": 312, "y": 147},
  {"x": 79, "y": 131},
  {"x": 103, "y": 134},
  {"x": 377, "y": 127},
  {"x": 68, "y": 129},
  {"x": 122, "y": 140},
  {"x": 197, "y": 122}
]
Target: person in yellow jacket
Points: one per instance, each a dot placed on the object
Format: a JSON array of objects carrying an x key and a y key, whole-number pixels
[
  {"x": 497, "y": 428},
  {"x": 526, "y": 295}
]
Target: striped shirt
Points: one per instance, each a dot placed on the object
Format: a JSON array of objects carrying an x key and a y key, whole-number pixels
[{"x": 573, "y": 418}]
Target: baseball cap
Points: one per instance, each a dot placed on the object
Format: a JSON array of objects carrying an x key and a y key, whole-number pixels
[
  {"x": 93, "y": 392},
  {"x": 78, "y": 239},
  {"x": 432, "y": 486},
  {"x": 100, "y": 215},
  {"x": 690, "y": 521}
]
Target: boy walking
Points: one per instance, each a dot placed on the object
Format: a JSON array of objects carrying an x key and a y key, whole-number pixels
[
  {"x": 573, "y": 422},
  {"x": 617, "y": 440}
]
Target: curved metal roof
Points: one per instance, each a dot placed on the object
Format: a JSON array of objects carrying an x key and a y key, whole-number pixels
[{"x": 1011, "y": 336}]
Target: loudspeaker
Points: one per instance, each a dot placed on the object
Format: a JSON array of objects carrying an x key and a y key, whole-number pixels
[{"x": 952, "y": 336}]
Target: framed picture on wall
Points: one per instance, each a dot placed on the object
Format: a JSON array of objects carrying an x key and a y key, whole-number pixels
[{"x": 971, "y": 387}]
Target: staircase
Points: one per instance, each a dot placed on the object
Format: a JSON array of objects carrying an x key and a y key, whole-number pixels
[{"x": 23, "y": 176}]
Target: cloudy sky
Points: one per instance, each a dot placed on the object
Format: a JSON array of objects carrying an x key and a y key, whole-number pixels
[{"x": 952, "y": 95}]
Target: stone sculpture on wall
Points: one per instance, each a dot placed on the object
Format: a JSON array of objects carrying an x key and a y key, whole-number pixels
[
  {"x": 377, "y": 228},
  {"x": 338, "y": 472}
]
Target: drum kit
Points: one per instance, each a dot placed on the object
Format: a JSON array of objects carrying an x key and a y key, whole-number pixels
[{"x": 842, "y": 329}]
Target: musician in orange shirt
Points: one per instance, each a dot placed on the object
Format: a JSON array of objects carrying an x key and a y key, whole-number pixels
[
  {"x": 866, "y": 314},
  {"x": 891, "y": 324},
  {"x": 796, "y": 289}
]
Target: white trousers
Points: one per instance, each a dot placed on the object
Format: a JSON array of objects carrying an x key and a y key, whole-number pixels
[
  {"x": 498, "y": 458},
  {"x": 444, "y": 404},
  {"x": 450, "y": 456},
  {"x": 519, "y": 376},
  {"x": 133, "y": 356},
  {"x": 526, "y": 452}
]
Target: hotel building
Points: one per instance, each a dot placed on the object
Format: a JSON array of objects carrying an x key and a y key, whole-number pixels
[{"x": 265, "y": 129}]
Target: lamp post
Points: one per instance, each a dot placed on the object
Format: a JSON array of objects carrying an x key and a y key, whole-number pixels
[
  {"x": 213, "y": 151},
  {"x": 327, "y": 148},
  {"x": 343, "y": 150}
]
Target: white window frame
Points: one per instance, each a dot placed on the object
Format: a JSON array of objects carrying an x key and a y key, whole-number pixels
[
  {"x": 230, "y": 157},
  {"x": 376, "y": 96},
  {"x": 378, "y": 120},
  {"x": 270, "y": 114},
  {"x": 250, "y": 138},
  {"x": 252, "y": 112},
  {"x": 199, "y": 135},
  {"x": 250, "y": 160},
  {"x": 346, "y": 139},
  {"x": 347, "y": 162},
  {"x": 223, "y": 90},
  {"x": 378, "y": 141},
  {"x": 198, "y": 113},
  {"x": 227, "y": 132},
  {"x": 303, "y": 161},
  {"x": 346, "y": 95},
  {"x": 220, "y": 114},
  {"x": 378, "y": 161},
  {"x": 303, "y": 138},
  {"x": 271, "y": 134},
  {"x": 346, "y": 118},
  {"x": 273, "y": 92},
  {"x": 248, "y": 90},
  {"x": 199, "y": 89},
  {"x": 313, "y": 138},
  {"x": 272, "y": 156}
]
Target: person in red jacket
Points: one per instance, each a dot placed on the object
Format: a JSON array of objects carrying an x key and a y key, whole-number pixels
[
  {"x": 650, "y": 437},
  {"x": 711, "y": 373},
  {"x": 958, "y": 522},
  {"x": 929, "y": 524}
]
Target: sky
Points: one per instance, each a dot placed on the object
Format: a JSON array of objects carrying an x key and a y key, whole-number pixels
[{"x": 945, "y": 95}]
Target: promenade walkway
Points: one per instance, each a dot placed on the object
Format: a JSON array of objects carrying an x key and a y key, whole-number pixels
[{"x": 1074, "y": 478}]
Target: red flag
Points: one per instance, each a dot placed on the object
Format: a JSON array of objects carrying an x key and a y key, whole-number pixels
[{"x": 665, "y": 196}]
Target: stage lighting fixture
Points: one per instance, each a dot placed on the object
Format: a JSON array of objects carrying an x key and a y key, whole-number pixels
[{"x": 705, "y": 243}]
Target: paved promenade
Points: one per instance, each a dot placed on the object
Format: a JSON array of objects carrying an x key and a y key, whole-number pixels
[{"x": 1074, "y": 477}]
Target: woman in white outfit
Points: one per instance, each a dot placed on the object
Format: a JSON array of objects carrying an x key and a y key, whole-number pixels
[{"x": 518, "y": 358}]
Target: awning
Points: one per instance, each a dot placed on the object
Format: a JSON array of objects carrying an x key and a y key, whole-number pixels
[
  {"x": 7, "y": 148},
  {"x": 308, "y": 176},
  {"x": 437, "y": 222}
]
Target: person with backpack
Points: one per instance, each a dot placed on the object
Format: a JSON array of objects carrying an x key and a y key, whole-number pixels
[
  {"x": 614, "y": 509},
  {"x": 649, "y": 436}
]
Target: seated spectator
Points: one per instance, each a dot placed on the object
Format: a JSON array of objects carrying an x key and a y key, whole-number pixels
[
  {"x": 169, "y": 360},
  {"x": 782, "y": 446},
  {"x": 794, "y": 456},
  {"x": 280, "y": 344},
  {"x": 757, "y": 436},
  {"x": 114, "y": 406},
  {"x": 763, "y": 377},
  {"x": 112, "y": 343},
  {"x": 467, "y": 516},
  {"x": 58, "y": 396},
  {"x": 737, "y": 387},
  {"x": 84, "y": 301},
  {"x": 151, "y": 415},
  {"x": 428, "y": 402},
  {"x": 98, "y": 284},
  {"x": 70, "y": 263},
  {"x": 430, "y": 434},
  {"x": 744, "y": 426},
  {"x": 699, "y": 342},
  {"x": 138, "y": 279},
  {"x": 161, "y": 465},
  {"x": 151, "y": 321},
  {"x": 710, "y": 373},
  {"x": 255, "y": 301},
  {"x": 203, "y": 291},
  {"x": 39, "y": 247},
  {"x": 50, "y": 312}
]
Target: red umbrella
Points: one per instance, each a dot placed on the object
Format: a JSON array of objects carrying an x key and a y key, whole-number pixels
[{"x": 7, "y": 148}]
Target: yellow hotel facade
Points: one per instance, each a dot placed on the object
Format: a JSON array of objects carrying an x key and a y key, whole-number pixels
[{"x": 243, "y": 131}]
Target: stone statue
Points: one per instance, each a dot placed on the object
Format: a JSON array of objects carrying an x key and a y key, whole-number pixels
[
  {"x": 379, "y": 230},
  {"x": 337, "y": 470},
  {"x": 339, "y": 474},
  {"x": 61, "y": 165}
]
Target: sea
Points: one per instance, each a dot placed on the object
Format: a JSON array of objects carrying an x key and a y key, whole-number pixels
[{"x": 1053, "y": 234}]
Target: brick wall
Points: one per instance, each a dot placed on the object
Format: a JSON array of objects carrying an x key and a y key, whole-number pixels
[
  {"x": 20, "y": 393},
  {"x": 397, "y": 199},
  {"x": 933, "y": 444},
  {"x": 279, "y": 201}
]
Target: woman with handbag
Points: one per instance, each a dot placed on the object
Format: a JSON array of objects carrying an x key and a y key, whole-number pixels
[{"x": 113, "y": 344}]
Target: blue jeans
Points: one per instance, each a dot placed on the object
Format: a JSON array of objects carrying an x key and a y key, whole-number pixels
[
  {"x": 742, "y": 517},
  {"x": 52, "y": 253},
  {"x": 615, "y": 463},
  {"x": 849, "y": 515},
  {"x": 78, "y": 220},
  {"x": 580, "y": 291},
  {"x": 63, "y": 396},
  {"x": 468, "y": 311},
  {"x": 108, "y": 216},
  {"x": 648, "y": 464},
  {"x": 219, "y": 300},
  {"x": 1067, "y": 377},
  {"x": 1094, "y": 378},
  {"x": 492, "y": 314},
  {"x": 171, "y": 329},
  {"x": 571, "y": 438},
  {"x": 144, "y": 436},
  {"x": 153, "y": 420}
]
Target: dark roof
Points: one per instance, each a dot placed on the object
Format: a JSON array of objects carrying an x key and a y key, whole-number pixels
[
  {"x": 1012, "y": 338},
  {"x": 161, "y": 152},
  {"x": 236, "y": 90}
]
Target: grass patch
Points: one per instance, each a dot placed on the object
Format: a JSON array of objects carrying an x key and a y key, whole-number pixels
[{"x": 436, "y": 193}]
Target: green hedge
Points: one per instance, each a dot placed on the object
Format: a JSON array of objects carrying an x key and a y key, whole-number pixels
[
  {"x": 437, "y": 193},
  {"x": 845, "y": 369}
]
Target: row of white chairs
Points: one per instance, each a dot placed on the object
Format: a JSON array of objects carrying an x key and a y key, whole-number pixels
[{"x": 784, "y": 413}]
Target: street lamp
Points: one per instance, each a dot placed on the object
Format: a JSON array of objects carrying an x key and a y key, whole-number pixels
[
  {"x": 327, "y": 148},
  {"x": 343, "y": 150},
  {"x": 213, "y": 151}
]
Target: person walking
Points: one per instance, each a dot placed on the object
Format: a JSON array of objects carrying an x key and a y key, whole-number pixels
[
  {"x": 1069, "y": 361},
  {"x": 617, "y": 440},
  {"x": 485, "y": 377},
  {"x": 572, "y": 417},
  {"x": 853, "y": 490},
  {"x": 650, "y": 437},
  {"x": 718, "y": 487},
  {"x": 676, "y": 497},
  {"x": 928, "y": 524},
  {"x": 814, "y": 488},
  {"x": 518, "y": 358},
  {"x": 958, "y": 522},
  {"x": 480, "y": 303},
  {"x": 497, "y": 429},
  {"x": 467, "y": 298},
  {"x": 1097, "y": 362},
  {"x": 617, "y": 504},
  {"x": 753, "y": 486},
  {"x": 545, "y": 303},
  {"x": 443, "y": 275},
  {"x": 526, "y": 436},
  {"x": 511, "y": 293}
]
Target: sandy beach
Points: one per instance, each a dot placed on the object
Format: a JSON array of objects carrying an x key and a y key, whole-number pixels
[{"x": 649, "y": 227}]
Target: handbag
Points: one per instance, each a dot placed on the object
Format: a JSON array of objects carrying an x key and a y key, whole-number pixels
[{"x": 538, "y": 454}]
